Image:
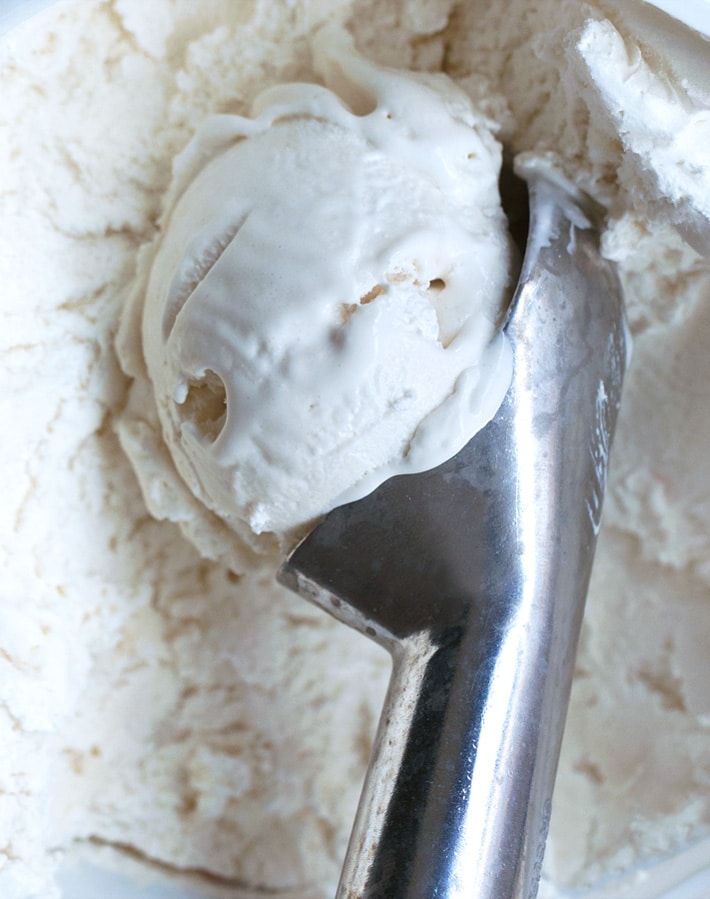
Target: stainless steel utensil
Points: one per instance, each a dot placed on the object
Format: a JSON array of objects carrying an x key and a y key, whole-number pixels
[{"x": 474, "y": 575}]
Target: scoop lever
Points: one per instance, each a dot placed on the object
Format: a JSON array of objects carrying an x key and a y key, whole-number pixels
[{"x": 474, "y": 575}]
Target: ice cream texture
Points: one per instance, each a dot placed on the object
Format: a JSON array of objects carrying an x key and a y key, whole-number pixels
[
  {"x": 321, "y": 309},
  {"x": 179, "y": 703}
]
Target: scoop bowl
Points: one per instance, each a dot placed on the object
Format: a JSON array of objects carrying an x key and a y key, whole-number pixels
[{"x": 474, "y": 576}]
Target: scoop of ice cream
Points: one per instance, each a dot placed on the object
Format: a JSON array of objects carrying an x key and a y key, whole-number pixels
[{"x": 321, "y": 310}]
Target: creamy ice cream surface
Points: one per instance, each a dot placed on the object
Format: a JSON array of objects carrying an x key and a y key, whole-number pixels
[
  {"x": 175, "y": 702},
  {"x": 320, "y": 313}
]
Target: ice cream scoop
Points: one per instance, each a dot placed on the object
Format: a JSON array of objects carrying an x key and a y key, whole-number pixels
[
  {"x": 308, "y": 325},
  {"x": 474, "y": 575}
]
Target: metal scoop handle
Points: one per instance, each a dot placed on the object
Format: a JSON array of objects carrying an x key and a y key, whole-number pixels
[{"x": 474, "y": 576}]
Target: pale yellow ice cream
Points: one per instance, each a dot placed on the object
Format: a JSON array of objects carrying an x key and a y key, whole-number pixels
[
  {"x": 189, "y": 708},
  {"x": 320, "y": 309}
]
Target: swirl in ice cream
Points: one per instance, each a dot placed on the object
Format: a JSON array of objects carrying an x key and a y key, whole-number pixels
[{"x": 321, "y": 310}]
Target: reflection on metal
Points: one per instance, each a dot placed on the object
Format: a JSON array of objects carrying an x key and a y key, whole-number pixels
[{"x": 474, "y": 576}]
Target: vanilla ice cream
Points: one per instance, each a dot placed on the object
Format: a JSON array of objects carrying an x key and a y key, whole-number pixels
[
  {"x": 177, "y": 704},
  {"x": 321, "y": 310}
]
